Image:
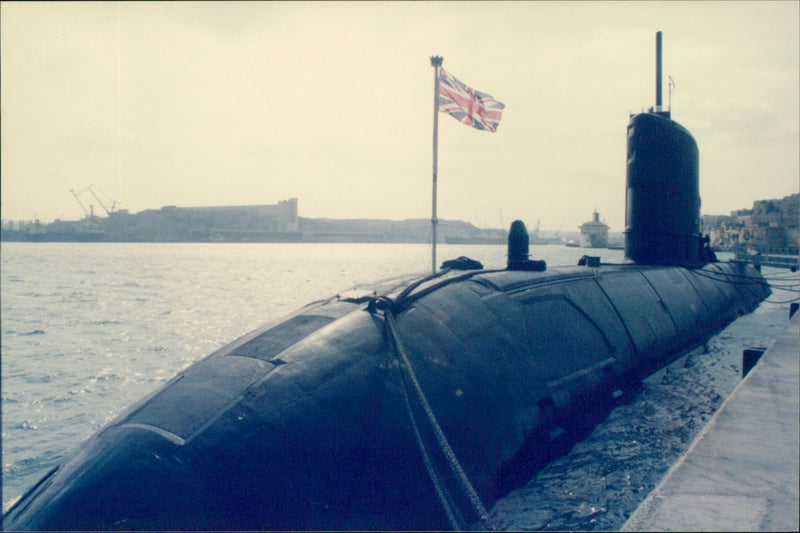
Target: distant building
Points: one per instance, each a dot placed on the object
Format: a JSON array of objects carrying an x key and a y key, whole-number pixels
[
  {"x": 275, "y": 217},
  {"x": 221, "y": 223},
  {"x": 770, "y": 226}
]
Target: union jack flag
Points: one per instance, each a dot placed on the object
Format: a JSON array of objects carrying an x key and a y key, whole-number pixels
[{"x": 467, "y": 105}]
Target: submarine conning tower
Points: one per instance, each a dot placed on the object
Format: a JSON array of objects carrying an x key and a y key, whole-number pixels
[{"x": 662, "y": 202}]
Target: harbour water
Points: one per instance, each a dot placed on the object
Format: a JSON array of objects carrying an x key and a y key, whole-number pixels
[{"x": 88, "y": 329}]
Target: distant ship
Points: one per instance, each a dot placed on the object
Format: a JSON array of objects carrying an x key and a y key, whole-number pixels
[{"x": 594, "y": 234}]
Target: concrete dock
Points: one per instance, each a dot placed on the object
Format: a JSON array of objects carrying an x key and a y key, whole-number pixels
[{"x": 742, "y": 472}]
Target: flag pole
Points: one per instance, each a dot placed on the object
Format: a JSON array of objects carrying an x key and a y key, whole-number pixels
[{"x": 436, "y": 63}]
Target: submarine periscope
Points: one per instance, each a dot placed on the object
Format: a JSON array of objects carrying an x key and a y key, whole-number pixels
[{"x": 415, "y": 402}]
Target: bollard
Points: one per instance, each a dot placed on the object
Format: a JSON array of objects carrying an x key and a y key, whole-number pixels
[{"x": 750, "y": 357}]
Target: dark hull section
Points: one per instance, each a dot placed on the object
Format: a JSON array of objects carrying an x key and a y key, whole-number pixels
[{"x": 352, "y": 415}]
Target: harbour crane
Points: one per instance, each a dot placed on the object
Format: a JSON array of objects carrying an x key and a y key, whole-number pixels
[
  {"x": 77, "y": 199},
  {"x": 93, "y": 190},
  {"x": 108, "y": 210}
]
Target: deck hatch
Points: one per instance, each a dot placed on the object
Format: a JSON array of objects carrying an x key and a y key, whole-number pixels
[
  {"x": 277, "y": 339},
  {"x": 199, "y": 396}
]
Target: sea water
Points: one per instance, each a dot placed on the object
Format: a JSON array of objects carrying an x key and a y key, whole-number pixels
[{"x": 89, "y": 328}]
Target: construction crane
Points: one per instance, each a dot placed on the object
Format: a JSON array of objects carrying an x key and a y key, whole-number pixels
[
  {"x": 93, "y": 190},
  {"x": 108, "y": 210},
  {"x": 77, "y": 199}
]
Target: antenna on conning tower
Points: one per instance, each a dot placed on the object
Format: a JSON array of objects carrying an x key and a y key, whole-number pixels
[{"x": 659, "y": 108}]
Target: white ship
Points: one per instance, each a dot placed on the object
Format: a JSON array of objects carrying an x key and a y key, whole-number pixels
[{"x": 594, "y": 234}]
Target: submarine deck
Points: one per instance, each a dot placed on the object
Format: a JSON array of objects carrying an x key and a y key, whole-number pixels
[{"x": 741, "y": 472}]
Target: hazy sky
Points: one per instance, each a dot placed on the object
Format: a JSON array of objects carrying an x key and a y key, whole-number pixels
[{"x": 248, "y": 103}]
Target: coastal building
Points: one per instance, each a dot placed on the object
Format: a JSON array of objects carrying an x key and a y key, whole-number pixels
[{"x": 771, "y": 226}]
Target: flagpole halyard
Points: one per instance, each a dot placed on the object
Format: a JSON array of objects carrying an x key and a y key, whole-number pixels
[{"x": 436, "y": 63}]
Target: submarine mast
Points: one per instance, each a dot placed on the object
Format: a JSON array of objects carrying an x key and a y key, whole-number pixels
[{"x": 658, "y": 107}]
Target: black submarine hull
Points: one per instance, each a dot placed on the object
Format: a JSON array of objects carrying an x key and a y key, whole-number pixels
[{"x": 411, "y": 404}]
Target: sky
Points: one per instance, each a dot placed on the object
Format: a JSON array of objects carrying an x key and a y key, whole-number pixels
[{"x": 205, "y": 103}]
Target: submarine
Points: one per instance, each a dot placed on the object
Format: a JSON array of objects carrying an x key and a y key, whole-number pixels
[{"x": 415, "y": 402}]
